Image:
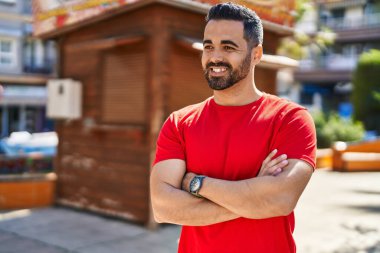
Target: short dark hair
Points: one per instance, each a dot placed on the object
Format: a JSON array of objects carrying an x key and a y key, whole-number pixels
[{"x": 253, "y": 28}]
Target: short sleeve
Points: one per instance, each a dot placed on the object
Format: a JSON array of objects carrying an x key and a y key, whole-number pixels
[
  {"x": 297, "y": 137},
  {"x": 169, "y": 142}
]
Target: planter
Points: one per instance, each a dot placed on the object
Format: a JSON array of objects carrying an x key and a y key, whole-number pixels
[
  {"x": 27, "y": 190},
  {"x": 324, "y": 158}
]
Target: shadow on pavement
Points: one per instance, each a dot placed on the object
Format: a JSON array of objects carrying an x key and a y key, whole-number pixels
[{"x": 366, "y": 208}]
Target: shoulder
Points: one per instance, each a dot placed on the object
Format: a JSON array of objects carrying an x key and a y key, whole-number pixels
[
  {"x": 189, "y": 113},
  {"x": 281, "y": 104},
  {"x": 283, "y": 108}
]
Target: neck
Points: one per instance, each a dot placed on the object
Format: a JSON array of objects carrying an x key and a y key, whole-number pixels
[{"x": 241, "y": 93}]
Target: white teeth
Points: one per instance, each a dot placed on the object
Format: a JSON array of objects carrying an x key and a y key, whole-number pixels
[{"x": 218, "y": 70}]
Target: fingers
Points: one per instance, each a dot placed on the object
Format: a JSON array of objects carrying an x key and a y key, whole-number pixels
[
  {"x": 273, "y": 167},
  {"x": 276, "y": 161},
  {"x": 269, "y": 157},
  {"x": 277, "y": 168},
  {"x": 277, "y": 172}
]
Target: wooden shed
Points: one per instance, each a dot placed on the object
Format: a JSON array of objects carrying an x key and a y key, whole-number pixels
[{"x": 137, "y": 64}]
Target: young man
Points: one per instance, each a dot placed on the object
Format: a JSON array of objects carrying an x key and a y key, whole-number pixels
[{"x": 212, "y": 172}]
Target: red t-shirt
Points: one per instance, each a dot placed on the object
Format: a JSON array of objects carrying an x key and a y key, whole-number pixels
[{"x": 230, "y": 143}]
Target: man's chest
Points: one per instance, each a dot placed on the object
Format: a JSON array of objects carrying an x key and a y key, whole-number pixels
[{"x": 231, "y": 150}]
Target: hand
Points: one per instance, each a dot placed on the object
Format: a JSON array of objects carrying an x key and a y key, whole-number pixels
[
  {"x": 273, "y": 167},
  {"x": 186, "y": 181}
]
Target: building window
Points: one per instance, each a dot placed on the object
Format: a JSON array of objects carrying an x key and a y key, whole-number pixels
[
  {"x": 38, "y": 56},
  {"x": 338, "y": 13},
  {"x": 7, "y": 53}
]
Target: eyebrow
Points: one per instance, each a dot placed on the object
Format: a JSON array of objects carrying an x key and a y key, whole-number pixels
[
  {"x": 207, "y": 42},
  {"x": 228, "y": 42}
]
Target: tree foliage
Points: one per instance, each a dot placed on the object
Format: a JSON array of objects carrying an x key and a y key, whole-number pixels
[
  {"x": 366, "y": 93},
  {"x": 302, "y": 6},
  {"x": 301, "y": 45},
  {"x": 331, "y": 128}
]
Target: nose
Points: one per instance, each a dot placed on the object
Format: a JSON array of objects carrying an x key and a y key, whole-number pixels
[{"x": 216, "y": 56}]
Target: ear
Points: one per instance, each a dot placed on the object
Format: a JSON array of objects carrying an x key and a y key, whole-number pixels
[{"x": 256, "y": 54}]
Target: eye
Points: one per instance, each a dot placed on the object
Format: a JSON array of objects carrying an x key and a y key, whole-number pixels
[
  {"x": 207, "y": 47},
  {"x": 228, "y": 48}
]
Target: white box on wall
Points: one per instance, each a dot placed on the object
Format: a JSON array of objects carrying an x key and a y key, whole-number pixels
[{"x": 64, "y": 99}]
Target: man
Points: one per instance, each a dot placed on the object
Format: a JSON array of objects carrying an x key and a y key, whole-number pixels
[{"x": 212, "y": 172}]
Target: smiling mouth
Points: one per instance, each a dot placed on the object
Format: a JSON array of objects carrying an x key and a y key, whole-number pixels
[{"x": 218, "y": 69}]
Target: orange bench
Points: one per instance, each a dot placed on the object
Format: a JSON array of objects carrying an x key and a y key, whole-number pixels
[{"x": 357, "y": 156}]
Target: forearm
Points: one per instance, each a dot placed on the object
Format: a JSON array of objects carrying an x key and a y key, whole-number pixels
[
  {"x": 260, "y": 197},
  {"x": 253, "y": 198},
  {"x": 172, "y": 205}
]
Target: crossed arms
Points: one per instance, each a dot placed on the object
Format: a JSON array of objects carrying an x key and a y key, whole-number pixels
[{"x": 274, "y": 192}]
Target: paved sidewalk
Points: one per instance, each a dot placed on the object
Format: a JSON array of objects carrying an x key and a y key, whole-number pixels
[
  {"x": 58, "y": 230},
  {"x": 338, "y": 213}
]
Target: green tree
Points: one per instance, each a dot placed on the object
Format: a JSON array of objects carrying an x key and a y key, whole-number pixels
[
  {"x": 302, "y": 6},
  {"x": 331, "y": 128},
  {"x": 366, "y": 93},
  {"x": 301, "y": 45}
]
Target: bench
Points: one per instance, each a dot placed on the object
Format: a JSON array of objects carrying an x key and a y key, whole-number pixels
[{"x": 358, "y": 156}]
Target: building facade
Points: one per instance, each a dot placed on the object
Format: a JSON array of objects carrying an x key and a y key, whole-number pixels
[
  {"x": 326, "y": 78},
  {"x": 26, "y": 63}
]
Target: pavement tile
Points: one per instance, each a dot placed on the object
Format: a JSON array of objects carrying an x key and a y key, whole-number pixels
[
  {"x": 11, "y": 243},
  {"x": 69, "y": 229},
  {"x": 163, "y": 241}
]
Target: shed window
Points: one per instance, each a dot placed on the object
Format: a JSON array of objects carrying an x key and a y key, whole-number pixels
[{"x": 124, "y": 85}]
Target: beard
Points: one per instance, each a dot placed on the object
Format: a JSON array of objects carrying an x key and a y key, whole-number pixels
[{"x": 231, "y": 78}]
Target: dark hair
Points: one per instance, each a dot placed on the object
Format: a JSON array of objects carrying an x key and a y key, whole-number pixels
[{"x": 253, "y": 28}]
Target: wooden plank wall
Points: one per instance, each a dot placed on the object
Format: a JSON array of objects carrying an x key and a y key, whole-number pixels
[
  {"x": 103, "y": 161},
  {"x": 104, "y": 171},
  {"x": 265, "y": 79},
  {"x": 188, "y": 85}
]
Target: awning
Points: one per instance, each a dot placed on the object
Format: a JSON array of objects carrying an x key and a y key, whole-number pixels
[
  {"x": 23, "y": 95},
  {"x": 267, "y": 61}
]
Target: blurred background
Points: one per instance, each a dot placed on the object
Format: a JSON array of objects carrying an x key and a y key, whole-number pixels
[{"x": 86, "y": 85}]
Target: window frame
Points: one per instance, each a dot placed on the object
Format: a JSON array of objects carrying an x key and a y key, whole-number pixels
[{"x": 12, "y": 55}]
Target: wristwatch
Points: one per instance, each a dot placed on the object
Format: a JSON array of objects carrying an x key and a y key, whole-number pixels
[{"x": 195, "y": 185}]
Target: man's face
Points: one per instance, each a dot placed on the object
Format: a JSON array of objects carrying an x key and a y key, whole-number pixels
[{"x": 225, "y": 59}]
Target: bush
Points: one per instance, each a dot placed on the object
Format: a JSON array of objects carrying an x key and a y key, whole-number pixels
[
  {"x": 331, "y": 128},
  {"x": 366, "y": 93}
]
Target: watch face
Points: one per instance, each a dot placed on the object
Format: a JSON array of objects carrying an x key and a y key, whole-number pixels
[{"x": 195, "y": 184}]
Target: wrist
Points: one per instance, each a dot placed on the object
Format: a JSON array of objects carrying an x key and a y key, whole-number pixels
[{"x": 202, "y": 190}]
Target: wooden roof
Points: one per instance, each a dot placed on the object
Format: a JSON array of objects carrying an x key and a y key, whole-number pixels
[{"x": 190, "y": 5}]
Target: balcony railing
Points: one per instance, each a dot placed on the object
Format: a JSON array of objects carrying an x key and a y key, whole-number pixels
[
  {"x": 330, "y": 62},
  {"x": 368, "y": 20},
  {"x": 46, "y": 68}
]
